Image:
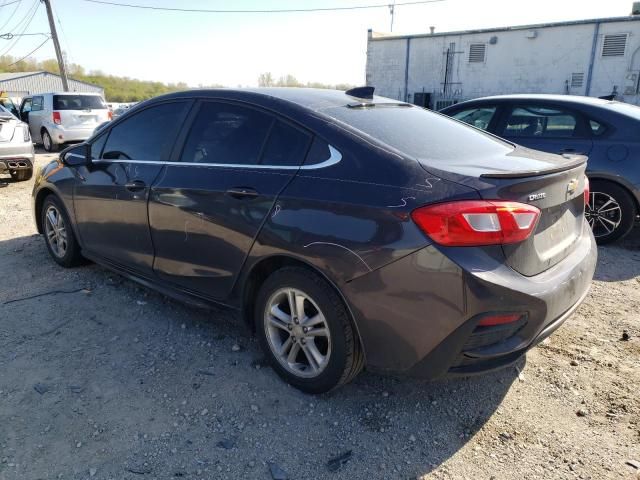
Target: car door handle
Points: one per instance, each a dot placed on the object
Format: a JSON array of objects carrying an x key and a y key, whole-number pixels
[
  {"x": 135, "y": 186},
  {"x": 242, "y": 192}
]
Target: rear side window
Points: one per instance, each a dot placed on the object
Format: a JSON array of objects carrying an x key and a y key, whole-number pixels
[
  {"x": 540, "y": 122},
  {"x": 478, "y": 117},
  {"x": 78, "y": 102},
  {"x": 420, "y": 133},
  {"x": 227, "y": 134},
  {"x": 148, "y": 135},
  {"x": 286, "y": 146},
  {"x": 597, "y": 128}
]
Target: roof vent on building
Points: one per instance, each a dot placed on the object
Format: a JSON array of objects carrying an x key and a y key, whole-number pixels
[
  {"x": 432, "y": 30},
  {"x": 614, "y": 45},
  {"x": 477, "y": 52}
]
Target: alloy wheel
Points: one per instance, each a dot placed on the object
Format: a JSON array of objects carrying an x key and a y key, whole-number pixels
[
  {"x": 56, "y": 232},
  {"x": 297, "y": 332},
  {"x": 603, "y": 214},
  {"x": 46, "y": 141}
]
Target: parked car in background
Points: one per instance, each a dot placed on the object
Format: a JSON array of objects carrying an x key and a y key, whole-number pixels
[
  {"x": 348, "y": 229},
  {"x": 16, "y": 147},
  {"x": 60, "y": 118},
  {"x": 607, "y": 131}
]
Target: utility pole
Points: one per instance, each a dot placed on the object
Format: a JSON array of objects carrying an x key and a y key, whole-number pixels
[
  {"x": 392, "y": 11},
  {"x": 56, "y": 45}
]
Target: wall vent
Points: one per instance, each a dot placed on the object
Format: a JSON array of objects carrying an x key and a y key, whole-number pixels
[
  {"x": 477, "y": 52},
  {"x": 614, "y": 45},
  {"x": 577, "y": 80}
]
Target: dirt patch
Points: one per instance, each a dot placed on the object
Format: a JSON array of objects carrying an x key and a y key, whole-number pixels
[{"x": 101, "y": 378}]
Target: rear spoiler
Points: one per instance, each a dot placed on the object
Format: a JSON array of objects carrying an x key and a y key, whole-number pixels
[{"x": 573, "y": 162}]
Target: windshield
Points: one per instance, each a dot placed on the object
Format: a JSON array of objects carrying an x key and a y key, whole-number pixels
[
  {"x": 421, "y": 134},
  {"x": 77, "y": 102}
]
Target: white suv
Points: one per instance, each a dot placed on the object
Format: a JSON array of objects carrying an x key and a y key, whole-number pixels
[{"x": 58, "y": 118}]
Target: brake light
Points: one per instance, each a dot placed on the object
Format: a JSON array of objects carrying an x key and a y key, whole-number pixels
[
  {"x": 586, "y": 191},
  {"x": 110, "y": 115},
  {"x": 477, "y": 222},
  {"x": 56, "y": 118}
]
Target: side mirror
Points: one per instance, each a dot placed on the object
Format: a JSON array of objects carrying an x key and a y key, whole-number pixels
[{"x": 77, "y": 155}]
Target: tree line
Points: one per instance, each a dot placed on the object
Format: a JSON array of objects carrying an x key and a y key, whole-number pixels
[{"x": 125, "y": 89}]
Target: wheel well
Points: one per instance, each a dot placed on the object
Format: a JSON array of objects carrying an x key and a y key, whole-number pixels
[
  {"x": 618, "y": 184},
  {"x": 266, "y": 267},
  {"x": 42, "y": 194}
]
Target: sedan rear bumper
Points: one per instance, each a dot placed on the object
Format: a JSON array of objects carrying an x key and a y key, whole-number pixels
[{"x": 420, "y": 315}]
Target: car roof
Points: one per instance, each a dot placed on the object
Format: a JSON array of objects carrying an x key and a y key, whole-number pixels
[
  {"x": 310, "y": 98},
  {"x": 568, "y": 99}
]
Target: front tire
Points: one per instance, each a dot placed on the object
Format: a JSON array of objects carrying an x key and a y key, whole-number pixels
[
  {"x": 306, "y": 331},
  {"x": 22, "y": 175},
  {"x": 47, "y": 142},
  {"x": 58, "y": 233},
  {"x": 611, "y": 211}
]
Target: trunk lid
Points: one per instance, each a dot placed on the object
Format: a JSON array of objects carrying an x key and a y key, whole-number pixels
[
  {"x": 554, "y": 184},
  {"x": 7, "y": 127}
]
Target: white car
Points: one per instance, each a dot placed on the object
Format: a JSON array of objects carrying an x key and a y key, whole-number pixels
[{"x": 58, "y": 118}]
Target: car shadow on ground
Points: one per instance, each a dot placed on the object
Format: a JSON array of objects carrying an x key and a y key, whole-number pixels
[
  {"x": 116, "y": 351},
  {"x": 613, "y": 259}
]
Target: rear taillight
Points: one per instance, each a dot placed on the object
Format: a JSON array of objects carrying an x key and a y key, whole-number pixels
[
  {"x": 586, "y": 191},
  {"x": 110, "y": 115},
  {"x": 56, "y": 118},
  {"x": 477, "y": 222}
]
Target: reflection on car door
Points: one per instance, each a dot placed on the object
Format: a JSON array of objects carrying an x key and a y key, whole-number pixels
[
  {"x": 110, "y": 197},
  {"x": 549, "y": 128},
  {"x": 206, "y": 209}
]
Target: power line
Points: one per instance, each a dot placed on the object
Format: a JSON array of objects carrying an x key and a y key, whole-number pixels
[
  {"x": 27, "y": 19},
  {"x": 9, "y": 3},
  {"x": 11, "y": 16},
  {"x": 288, "y": 10},
  {"x": 31, "y": 52}
]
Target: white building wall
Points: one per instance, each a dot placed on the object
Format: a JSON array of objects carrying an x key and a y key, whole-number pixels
[{"x": 535, "y": 60}]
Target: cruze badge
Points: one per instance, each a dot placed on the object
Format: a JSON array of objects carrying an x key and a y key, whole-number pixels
[
  {"x": 572, "y": 185},
  {"x": 537, "y": 196}
]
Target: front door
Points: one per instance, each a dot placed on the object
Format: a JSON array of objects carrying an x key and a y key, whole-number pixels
[
  {"x": 111, "y": 196},
  {"x": 206, "y": 209},
  {"x": 552, "y": 129}
]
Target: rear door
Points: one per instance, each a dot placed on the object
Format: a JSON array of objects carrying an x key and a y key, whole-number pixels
[
  {"x": 80, "y": 111},
  {"x": 36, "y": 116},
  {"x": 111, "y": 194},
  {"x": 206, "y": 209},
  {"x": 548, "y": 127}
]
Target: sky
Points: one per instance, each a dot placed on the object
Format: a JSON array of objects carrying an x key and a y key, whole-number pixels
[{"x": 233, "y": 49}]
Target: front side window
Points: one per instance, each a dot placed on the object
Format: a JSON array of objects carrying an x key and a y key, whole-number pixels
[
  {"x": 225, "y": 133},
  {"x": 26, "y": 106},
  {"x": 37, "y": 104},
  {"x": 477, "y": 117},
  {"x": 147, "y": 135},
  {"x": 540, "y": 122}
]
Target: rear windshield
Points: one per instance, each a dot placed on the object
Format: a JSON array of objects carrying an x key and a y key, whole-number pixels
[
  {"x": 421, "y": 134},
  {"x": 77, "y": 102},
  {"x": 632, "y": 111}
]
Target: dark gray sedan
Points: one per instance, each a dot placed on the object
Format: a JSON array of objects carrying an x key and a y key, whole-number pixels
[
  {"x": 348, "y": 230},
  {"x": 607, "y": 131}
]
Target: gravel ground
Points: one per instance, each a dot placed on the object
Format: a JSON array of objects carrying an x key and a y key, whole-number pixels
[{"x": 113, "y": 381}]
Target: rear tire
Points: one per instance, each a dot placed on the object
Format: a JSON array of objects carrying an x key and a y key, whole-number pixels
[
  {"x": 611, "y": 211},
  {"x": 47, "y": 142},
  {"x": 319, "y": 331},
  {"x": 58, "y": 233},
  {"x": 22, "y": 175}
]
